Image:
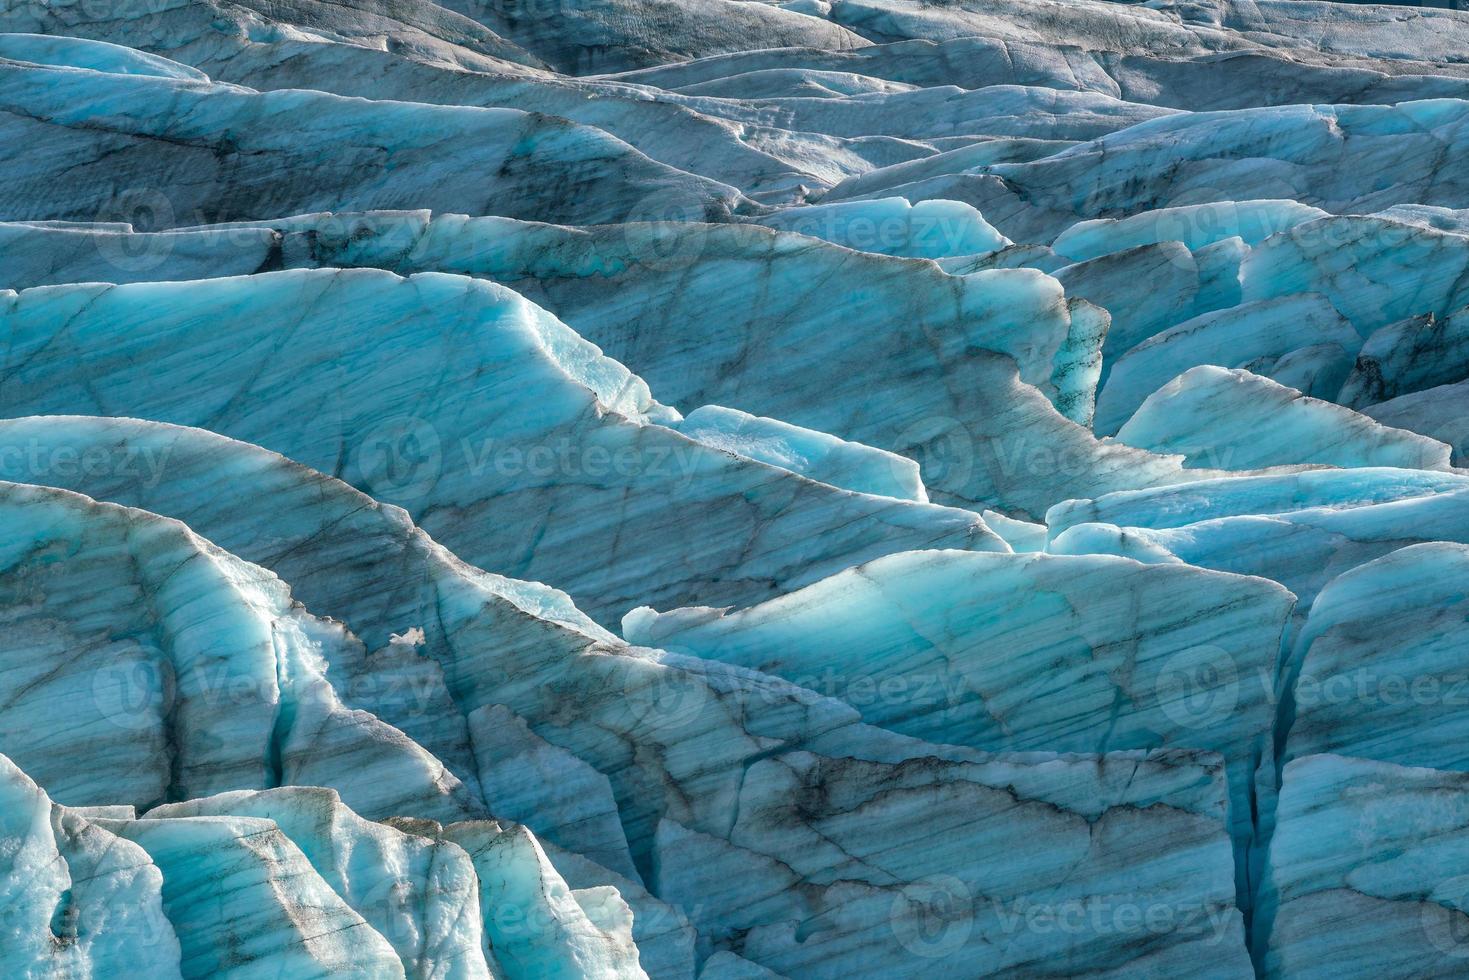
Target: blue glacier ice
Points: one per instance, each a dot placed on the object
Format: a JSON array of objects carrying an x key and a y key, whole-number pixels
[
  {"x": 664, "y": 489},
  {"x": 927, "y": 230},
  {"x": 1299, "y": 340},
  {"x": 1375, "y": 845},
  {"x": 1440, "y": 412},
  {"x": 1233, "y": 419},
  {"x": 1175, "y": 506},
  {"x": 1193, "y": 226},
  {"x": 822, "y": 457},
  {"x": 1150, "y": 656},
  {"x": 986, "y": 436},
  {"x": 1303, "y": 548},
  {"x": 530, "y": 400},
  {"x": 186, "y": 671},
  {"x": 107, "y": 890},
  {"x": 1407, "y": 682}
]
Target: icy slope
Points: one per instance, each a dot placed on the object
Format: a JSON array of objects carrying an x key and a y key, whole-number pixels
[
  {"x": 984, "y": 437},
  {"x": 186, "y": 150},
  {"x": 1416, "y": 598},
  {"x": 1036, "y": 421},
  {"x": 669, "y": 709},
  {"x": 1002, "y": 672},
  {"x": 79, "y": 901},
  {"x": 532, "y": 452},
  {"x": 289, "y": 882},
  {"x": 1238, "y": 420},
  {"x": 1376, "y": 843},
  {"x": 183, "y": 671}
]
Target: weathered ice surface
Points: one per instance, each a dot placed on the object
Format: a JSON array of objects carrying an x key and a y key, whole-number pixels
[
  {"x": 1235, "y": 420},
  {"x": 927, "y": 230},
  {"x": 860, "y": 912},
  {"x": 184, "y": 149},
  {"x": 1193, "y": 226},
  {"x": 609, "y": 35},
  {"x": 362, "y": 561},
  {"x": 1303, "y": 548},
  {"x": 662, "y": 933},
  {"x": 680, "y": 701},
  {"x": 1379, "y": 662},
  {"x": 824, "y": 458},
  {"x": 1076, "y": 654},
  {"x": 419, "y": 895},
  {"x": 669, "y": 275},
  {"x": 1253, "y": 495},
  {"x": 1441, "y": 413},
  {"x": 1300, "y": 341},
  {"x": 1016, "y": 440},
  {"x": 289, "y": 882},
  {"x": 79, "y": 901},
  {"x": 985, "y": 436},
  {"x": 1303, "y": 152},
  {"x": 244, "y": 900},
  {"x": 1359, "y": 264},
  {"x": 1377, "y": 846},
  {"x": 680, "y": 711},
  {"x": 1111, "y": 281},
  {"x": 1410, "y": 355},
  {"x": 181, "y": 669},
  {"x": 538, "y": 926},
  {"x": 531, "y": 453}
]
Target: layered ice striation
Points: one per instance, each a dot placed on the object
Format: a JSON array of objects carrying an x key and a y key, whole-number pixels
[
  {"x": 182, "y": 670},
  {"x": 680, "y": 718},
  {"x": 1376, "y": 845},
  {"x": 997, "y": 673},
  {"x": 645, "y": 488},
  {"x": 530, "y": 453},
  {"x": 290, "y": 882},
  {"x": 1236, "y": 420}
]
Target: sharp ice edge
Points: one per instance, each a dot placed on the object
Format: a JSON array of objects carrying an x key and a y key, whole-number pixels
[{"x": 1058, "y": 570}]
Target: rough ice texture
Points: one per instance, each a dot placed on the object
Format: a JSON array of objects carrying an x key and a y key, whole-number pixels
[
  {"x": 683, "y": 713},
  {"x": 927, "y": 230},
  {"x": 531, "y": 453},
  {"x": 290, "y": 882},
  {"x": 1075, "y": 654},
  {"x": 1300, "y": 341},
  {"x": 1195, "y": 226},
  {"x": 1236, "y": 420},
  {"x": 1304, "y": 549},
  {"x": 419, "y": 895},
  {"x": 1379, "y": 663},
  {"x": 657, "y": 298},
  {"x": 860, "y": 913},
  {"x": 79, "y": 901},
  {"x": 1441, "y": 413},
  {"x": 1253, "y": 495},
  {"x": 824, "y": 458},
  {"x": 1375, "y": 845},
  {"x": 233, "y": 153},
  {"x": 1410, "y": 355},
  {"x": 182, "y": 671},
  {"x": 1184, "y": 281}
]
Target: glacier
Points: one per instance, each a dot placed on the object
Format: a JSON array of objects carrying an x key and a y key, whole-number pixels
[{"x": 733, "y": 490}]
